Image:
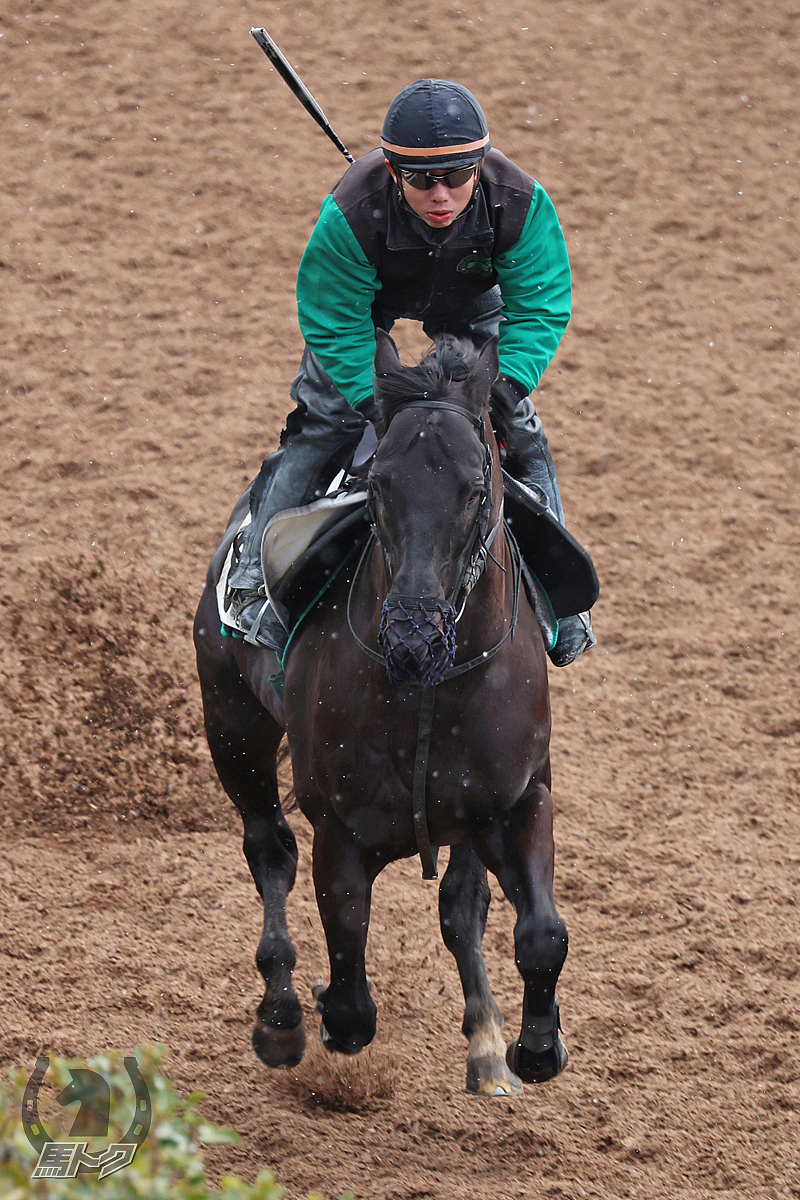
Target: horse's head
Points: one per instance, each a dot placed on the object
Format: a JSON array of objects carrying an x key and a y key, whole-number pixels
[{"x": 434, "y": 503}]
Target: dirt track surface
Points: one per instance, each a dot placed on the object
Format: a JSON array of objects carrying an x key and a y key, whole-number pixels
[{"x": 158, "y": 186}]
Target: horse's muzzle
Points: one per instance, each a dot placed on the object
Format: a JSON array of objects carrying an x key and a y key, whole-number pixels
[{"x": 418, "y": 639}]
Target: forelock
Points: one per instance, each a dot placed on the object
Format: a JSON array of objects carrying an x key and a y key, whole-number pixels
[{"x": 449, "y": 362}]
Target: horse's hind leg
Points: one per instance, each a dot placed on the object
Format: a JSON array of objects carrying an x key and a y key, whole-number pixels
[
  {"x": 244, "y": 739},
  {"x": 520, "y": 852},
  {"x": 463, "y": 905}
]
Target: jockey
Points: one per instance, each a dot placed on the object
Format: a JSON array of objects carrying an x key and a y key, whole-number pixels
[{"x": 438, "y": 227}]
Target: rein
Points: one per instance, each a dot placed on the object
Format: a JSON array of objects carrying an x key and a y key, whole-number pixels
[
  {"x": 474, "y": 566},
  {"x": 462, "y": 668}
]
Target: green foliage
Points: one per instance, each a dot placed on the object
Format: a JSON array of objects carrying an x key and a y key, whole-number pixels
[{"x": 168, "y": 1166}]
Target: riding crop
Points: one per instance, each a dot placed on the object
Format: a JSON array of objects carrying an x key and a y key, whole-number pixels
[{"x": 290, "y": 76}]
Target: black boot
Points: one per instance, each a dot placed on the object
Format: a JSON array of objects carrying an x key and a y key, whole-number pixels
[
  {"x": 574, "y": 636},
  {"x": 320, "y": 438},
  {"x": 529, "y": 460},
  {"x": 294, "y": 475}
]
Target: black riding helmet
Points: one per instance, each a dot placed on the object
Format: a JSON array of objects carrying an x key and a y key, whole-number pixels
[{"x": 434, "y": 124}]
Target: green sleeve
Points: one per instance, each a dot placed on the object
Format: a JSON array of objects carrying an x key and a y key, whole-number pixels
[
  {"x": 535, "y": 284},
  {"x": 336, "y": 285}
]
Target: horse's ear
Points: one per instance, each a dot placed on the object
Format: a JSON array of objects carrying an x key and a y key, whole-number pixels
[
  {"x": 484, "y": 373},
  {"x": 386, "y": 357}
]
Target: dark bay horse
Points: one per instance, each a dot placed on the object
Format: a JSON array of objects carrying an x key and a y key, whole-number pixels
[{"x": 406, "y": 731}]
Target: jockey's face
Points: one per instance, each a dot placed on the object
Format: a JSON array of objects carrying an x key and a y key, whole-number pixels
[{"x": 437, "y": 206}]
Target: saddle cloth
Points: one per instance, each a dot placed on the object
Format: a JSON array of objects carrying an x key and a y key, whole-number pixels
[{"x": 303, "y": 549}]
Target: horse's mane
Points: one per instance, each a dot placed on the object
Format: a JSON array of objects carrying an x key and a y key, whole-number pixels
[{"x": 450, "y": 361}]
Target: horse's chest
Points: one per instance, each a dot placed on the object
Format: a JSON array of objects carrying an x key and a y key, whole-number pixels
[
  {"x": 355, "y": 749},
  {"x": 368, "y": 776}
]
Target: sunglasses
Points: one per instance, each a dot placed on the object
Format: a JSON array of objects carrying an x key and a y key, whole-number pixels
[{"x": 424, "y": 181}]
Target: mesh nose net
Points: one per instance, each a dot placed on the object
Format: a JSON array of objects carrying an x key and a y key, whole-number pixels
[{"x": 418, "y": 640}]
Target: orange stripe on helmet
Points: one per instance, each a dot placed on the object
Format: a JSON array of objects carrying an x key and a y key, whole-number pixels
[{"x": 435, "y": 151}]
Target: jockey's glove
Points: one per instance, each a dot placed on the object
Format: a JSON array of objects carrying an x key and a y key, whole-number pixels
[
  {"x": 507, "y": 394},
  {"x": 369, "y": 410}
]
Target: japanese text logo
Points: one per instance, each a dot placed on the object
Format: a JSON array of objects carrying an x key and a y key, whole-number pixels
[{"x": 64, "y": 1159}]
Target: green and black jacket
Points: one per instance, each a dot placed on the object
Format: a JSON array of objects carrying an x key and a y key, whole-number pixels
[{"x": 370, "y": 260}]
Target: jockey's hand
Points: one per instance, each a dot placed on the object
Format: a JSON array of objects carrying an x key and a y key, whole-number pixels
[
  {"x": 507, "y": 395},
  {"x": 369, "y": 410}
]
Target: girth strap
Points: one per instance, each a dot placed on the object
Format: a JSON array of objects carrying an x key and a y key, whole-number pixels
[{"x": 428, "y": 854}]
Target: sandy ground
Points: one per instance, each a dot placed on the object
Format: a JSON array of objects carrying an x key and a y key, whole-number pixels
[{"x": 158, "y": 184}]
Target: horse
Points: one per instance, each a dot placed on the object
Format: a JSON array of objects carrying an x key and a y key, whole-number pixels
[{"x": 416, "y": 710}]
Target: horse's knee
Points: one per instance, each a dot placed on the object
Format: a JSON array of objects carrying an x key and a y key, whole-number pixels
[
  {"x": 541, "y": 946},
  {"x": 271, "y": 852}
]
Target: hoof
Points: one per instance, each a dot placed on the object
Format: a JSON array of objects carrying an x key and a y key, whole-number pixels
[
  {"x": 334, "y": 1047},
  {"x": 279, "y": 1048},
  {"x": 331, "y": 1044},
  {"x": 489, "y": 1076},
  {"x": 537, "y": 1067}
]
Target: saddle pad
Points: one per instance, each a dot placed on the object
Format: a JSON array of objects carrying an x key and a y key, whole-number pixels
[
  {"x": 540, "y": 603},
  {"x": 290, "y": 533},
  {"x": 223, "y": 597},
  {"x": 301, "y": 550},
  {"x": 315, "y": 566}
]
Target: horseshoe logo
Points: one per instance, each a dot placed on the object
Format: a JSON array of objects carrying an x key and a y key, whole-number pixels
[{"x": 93, "y": 1092}]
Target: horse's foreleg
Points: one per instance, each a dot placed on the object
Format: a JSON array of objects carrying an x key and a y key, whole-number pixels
[
  {"x": 520, "y": 852},
  {"x": 244, "y": 739},
  {"x": 279, "y": 1037},
  {"x": 463, "y": 906},
  {"x": 344, "y": 891}
]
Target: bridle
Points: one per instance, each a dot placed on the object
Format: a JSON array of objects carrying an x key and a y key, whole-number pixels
[
  {"x": 480, "y": 542},
  {"x": 476, "y": 555}
]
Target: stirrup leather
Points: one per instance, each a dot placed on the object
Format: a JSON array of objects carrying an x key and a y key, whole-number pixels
[{"x": 240, "y": 598}]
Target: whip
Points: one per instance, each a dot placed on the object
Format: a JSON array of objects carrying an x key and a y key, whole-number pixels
[{"x": 290, "y": 76}]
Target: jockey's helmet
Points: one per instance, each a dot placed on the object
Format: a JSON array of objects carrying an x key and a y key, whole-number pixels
[{"x": 434, "y": 123}]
